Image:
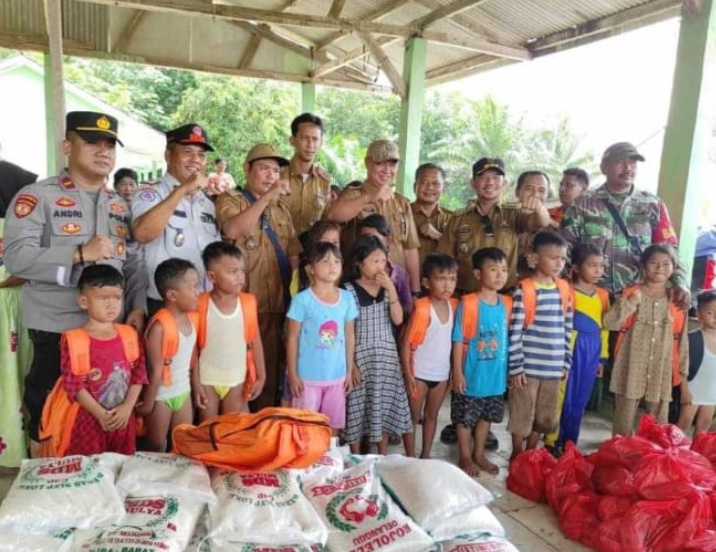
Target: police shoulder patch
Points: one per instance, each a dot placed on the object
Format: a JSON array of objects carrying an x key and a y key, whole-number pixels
[
  {"x": 24, "y": 205},
  {"x": 148, "y": 194}
]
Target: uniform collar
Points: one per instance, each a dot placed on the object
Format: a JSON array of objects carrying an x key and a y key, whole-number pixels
[
  {"x": 292, "y": 171},
  {"x": 68, "y": 185},
  {"x": 438, "y": 209},
  {"x": 603, "y": 191}
]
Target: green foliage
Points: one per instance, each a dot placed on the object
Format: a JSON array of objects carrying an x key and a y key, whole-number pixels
[{"x": 239, "y": 113}]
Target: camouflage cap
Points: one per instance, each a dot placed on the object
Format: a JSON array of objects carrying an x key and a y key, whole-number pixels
[
  {"x": 381, "y": 151},
  {"x": 266, "y": 151},
  {"x": 621, "y": 150}
]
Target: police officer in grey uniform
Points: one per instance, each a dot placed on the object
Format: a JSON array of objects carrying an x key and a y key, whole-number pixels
[
  {"x": 56, "y": 227},
  {"x": 174, "y": 217}
]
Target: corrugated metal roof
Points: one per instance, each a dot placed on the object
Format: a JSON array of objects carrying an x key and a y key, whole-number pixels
[{"x": 298, "y": 38}]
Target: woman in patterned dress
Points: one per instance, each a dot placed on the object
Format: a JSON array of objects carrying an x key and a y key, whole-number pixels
[{"x": 378, "y": 404}]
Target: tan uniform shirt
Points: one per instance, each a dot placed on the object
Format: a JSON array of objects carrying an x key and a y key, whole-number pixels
[
  {"x": 466, "y": 233},
  {"x": 439, "y": 218},
  {"x": 403, "y": 233},
  {"x": 309, "y": 198},
  {"x": 263, "y": 275}
]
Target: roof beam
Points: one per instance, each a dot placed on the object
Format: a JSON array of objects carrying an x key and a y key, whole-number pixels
[
  {"x": 236, "y": 13},
  {"x": 350, "y": 56},
  {"x": 465, "y": 23},
  {"x": 447, "y": 10},
  {"x": 76, "y": 48},
  {"x": 654, "y": 10},
  {"x": 478, "y": 45},
  {"x": 464, "y": 68},
  {"x": 250, "y": 51},
  {"x": 264, "y": 31},
  {"x": 384, "y": 61},
  {"x": 384, "y": 11},
  {"x": 336, "y": 8},
  {"x": 129, "y": 31}
]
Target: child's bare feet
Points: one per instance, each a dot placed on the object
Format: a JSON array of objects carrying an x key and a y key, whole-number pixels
[
  {"x": 486, "y": 465},
  {"x": 468, "y": 467}
]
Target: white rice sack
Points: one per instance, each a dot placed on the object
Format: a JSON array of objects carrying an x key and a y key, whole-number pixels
[
  {"x": 360, "y": 515},
  {"x": 111, "y": 461},
  {"x": 430, "y": 490},
  {"x": 477, "y": 543},
  {"x": 52, "y": 494},
  {"x": 264, "y": 508},
  {"x": 327, "y": 466},
  {"x": 478, "y": 520},
  {"x": 59, "y": 541},
  {"x": 253, "y": 547},
  {"x": 123, "y": 539},
  {"x": 148, "y": 473}
]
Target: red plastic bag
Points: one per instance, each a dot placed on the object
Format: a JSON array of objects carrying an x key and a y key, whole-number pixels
[
  {"x": 622, "y": 451},
  {"x": 578, "y": 519},
  {"x": 664, "y": 435},
  {"x": 672, "y": 474},
  {"x": 611, "y": 507},
  {"x": 704, "y": 541},
  {"x": 614, "y": 480},
  {"x": 695, "y": 518},
  {"x": 572, "y": 474},
  {"x": 665, "y": 525},
  {"x": 609, "y": 536},
  {"x": 528, "y": 472},
  {"x": 705, "y": 445}
]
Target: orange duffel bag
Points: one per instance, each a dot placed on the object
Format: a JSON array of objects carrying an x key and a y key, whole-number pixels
[{"x": 270, "y": 439}]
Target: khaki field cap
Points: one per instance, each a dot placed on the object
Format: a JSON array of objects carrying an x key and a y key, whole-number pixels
[
  {"x": 266, "y": 151},
  {"x": 621, "y": 150},
  {"x": 381, "y": 151},
  {"x": 92, "y": 126}
]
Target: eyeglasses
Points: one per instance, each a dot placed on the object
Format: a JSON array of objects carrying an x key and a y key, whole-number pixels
[{"x": 487, "y": 226}]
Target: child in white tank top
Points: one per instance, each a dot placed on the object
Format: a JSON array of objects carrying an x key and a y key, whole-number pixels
[
  {"x": 426, "y": 369},
  {"x": 166, "y": 401},
  {"x": 219, "y": 383}
]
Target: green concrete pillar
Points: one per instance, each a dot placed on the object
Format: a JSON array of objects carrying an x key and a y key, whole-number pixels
[
  {"x": 684, "y": 158},
  {"x": 308, "y": 97},
  {"x": 411, "y": 112},
  {"x": 55, "y": 158}
]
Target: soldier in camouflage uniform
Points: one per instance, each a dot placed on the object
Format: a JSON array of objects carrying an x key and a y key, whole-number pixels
[{"x": 644, "y": 215}]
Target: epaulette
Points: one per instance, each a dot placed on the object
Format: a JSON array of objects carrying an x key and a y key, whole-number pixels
[{"x": 322, "y": 173}]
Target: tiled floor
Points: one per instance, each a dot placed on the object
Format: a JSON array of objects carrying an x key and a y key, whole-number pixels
[{"x": 530, "y": 527}]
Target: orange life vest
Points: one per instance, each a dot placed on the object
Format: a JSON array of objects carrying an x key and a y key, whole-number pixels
[
  {"x": 529, "y": 298},
  {"x": 251, "y": 331},
  {"x": 678, "y": 321},
  {"x": 59, "y": 412},
  {"x": 270, "y": 439},
  {"x": 170, "y": 338}
]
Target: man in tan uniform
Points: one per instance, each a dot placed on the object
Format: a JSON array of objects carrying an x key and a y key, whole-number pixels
[
  {"x": 309, "y": 184},
  {"x": 488, "y": 224},
  {"x": 260, "y": 225},
  {"x": 430, "y": 218},
  {"x": 376, "y": 195}
]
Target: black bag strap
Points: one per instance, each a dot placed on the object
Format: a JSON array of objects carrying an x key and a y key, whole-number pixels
[
  {"x": 283, "y": 262},
  {"x": 616, "y": 215}
]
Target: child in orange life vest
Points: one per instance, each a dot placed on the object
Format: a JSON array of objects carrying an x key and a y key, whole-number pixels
[
  {"x": 108, "y": 393},
  {"x": 652, "y": 351},
  {"x": 218, "y": 384},
  {"x": 166, "y": 401},
  {"x": 320, "y": 346},
  {"x": 426, "y": 365},
  {"x": 480, "y": 361}
]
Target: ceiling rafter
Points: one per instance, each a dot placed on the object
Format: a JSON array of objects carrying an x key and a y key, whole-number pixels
[
  {"x": 78, "y": 48},
  {"x": 129, "y": 31},
  {"x": 350, "y": 56},
  {"x": 383, "y": 60},
  {"x": 447, "y": 10},
  {"x": 465, "y": 23},
  {"x": 236, "y": 13},
  {"x": 250, "y": 51},
  {"x": 655, "y": 8},
  {"x": 264, "y": 31},
  {"x": 336, "y": 8}
]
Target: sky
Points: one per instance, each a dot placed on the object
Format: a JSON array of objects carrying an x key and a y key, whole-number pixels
[{"x": 612, "y": 90}]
